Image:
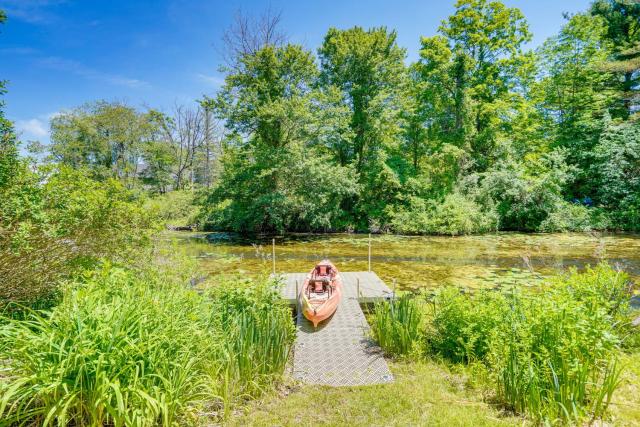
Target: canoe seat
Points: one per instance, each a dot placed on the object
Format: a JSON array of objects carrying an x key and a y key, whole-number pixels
[
  {"x": 323, "y": 270},
  {"x": 319, "y": 289}
]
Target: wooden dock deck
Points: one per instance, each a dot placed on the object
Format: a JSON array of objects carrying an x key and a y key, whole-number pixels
[{"x": 340, "y": 352}]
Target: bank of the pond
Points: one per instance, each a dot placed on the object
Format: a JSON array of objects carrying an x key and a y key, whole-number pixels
[
  {"x": 482, "y": 261},
  {"x": 424, "y": 393}
]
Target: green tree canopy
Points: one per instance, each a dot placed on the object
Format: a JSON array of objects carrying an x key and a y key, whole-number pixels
[{"x": 106, "y": 137}]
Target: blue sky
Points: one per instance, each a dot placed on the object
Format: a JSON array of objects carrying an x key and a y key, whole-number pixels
[{"x": 58, "y": 54}]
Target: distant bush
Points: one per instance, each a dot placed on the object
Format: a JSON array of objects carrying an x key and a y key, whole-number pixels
[
  {"x": 455, "y": 215},
  {"x": 176, "y": 208},
  {"x": 278, "y": 189},
  {"x": 125, "y": 348},
  {"x": 567, "y": 217}
]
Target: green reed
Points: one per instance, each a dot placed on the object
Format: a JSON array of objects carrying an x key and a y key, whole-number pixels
[
  {"x": 126, "y": 349},
  {"x": 553, "y": 354},
  {"x": 396, "y": 325}
]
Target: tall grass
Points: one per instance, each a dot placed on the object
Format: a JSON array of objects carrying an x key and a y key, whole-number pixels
[
  {"x": 555, "y": 359},
  {"x": 259, "y": 332},
  {"x": 129, "y": 349},
  {"x": 552, "y": 355},
  {"x": 396, "y": 325}
]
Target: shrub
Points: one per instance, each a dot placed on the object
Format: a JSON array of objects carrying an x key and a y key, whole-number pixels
[
  {"x": 56, "y": 222},
  {"x": 175, "y": 207},
  {"x": 567, "y": 217},
  {"x": 555, "y": 358},
  {"x": 129, "y": 348},
  {"x": 523, "y": 194},
  {"x": 553, "y": 355},
  {"x": 462, "y": 325},
  {"x": 397, "y": 325},
  {"x": 455, "y": 215},
  {"x": 268, "y": 189}
]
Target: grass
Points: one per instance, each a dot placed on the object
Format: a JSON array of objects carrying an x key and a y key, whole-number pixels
[
  {"x": 625, "y": 406},
  {"x": 129, "y": 348},
  {"x": 423, "y": 393},
  {"x": 552, "y": 355},
  {"x": 397, "y": 325}
]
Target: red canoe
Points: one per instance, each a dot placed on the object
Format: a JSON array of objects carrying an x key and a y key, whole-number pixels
[{"x": 321, "y": 292}]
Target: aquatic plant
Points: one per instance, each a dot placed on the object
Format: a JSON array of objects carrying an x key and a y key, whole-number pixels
[
  {"x": 552, "y": 354},
  {"x": 397, "y": 325}
]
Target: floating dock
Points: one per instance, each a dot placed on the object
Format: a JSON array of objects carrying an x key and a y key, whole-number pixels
[{"x": 339, "y": 352}]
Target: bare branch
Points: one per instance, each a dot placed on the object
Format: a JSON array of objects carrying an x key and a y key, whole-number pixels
[{"x": 249, "y": 34}]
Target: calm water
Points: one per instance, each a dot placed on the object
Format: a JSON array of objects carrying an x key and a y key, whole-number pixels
[{"x": 414, "y": 262}]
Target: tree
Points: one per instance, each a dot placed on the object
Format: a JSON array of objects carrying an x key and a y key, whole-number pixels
[
  {"x": 366, "y": 68},
  {"x": 622, "y": 19},
  {"x": 105, "y": 137},
  {"x": 617, "y": 172},
  {"x": 267, "y": 101},
  {"x": 207, "y": 158},
  {"x": 574, "y": 92},
  {"x": 8, "y": 142},
  {"x": 471, "y": 75},
  {"x": 271, "y": 178},
  {"x": 184, "y": 134},
  {"x": 247, "y": 35}
]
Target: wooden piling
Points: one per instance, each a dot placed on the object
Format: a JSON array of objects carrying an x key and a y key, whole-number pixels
[{"x": 369, "y": 270}]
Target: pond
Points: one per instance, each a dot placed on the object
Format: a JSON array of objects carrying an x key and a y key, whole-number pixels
[{"x": 419, "y": 262}]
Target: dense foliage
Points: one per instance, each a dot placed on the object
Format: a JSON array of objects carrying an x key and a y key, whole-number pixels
[
  {"x": 54, "y": 222},
  {"x": 479, "y": 134},
  {"x": 553, "y": 355},
  {"x": 138, "y": 348}
]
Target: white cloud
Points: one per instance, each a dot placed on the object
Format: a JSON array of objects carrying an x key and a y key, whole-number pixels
[
  {"x": 35, "y": 128},
  {"x": 214, "y": 81},
  {"x": 82, "y": 70}
]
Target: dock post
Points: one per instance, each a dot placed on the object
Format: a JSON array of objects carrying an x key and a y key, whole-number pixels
[
  {"x": 369, "y": 253},
  {"x": 273, "y": 254}
]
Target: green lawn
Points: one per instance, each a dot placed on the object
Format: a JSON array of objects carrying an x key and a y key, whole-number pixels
[
  {"x": 424, "y": 393},
  {"x": 625, "y": 408}
]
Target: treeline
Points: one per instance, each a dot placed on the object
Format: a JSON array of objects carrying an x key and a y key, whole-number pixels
[{"x": 479, "y": 134}]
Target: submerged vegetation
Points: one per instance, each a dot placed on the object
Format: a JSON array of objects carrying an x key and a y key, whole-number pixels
[{"x": 554, "y": 355}]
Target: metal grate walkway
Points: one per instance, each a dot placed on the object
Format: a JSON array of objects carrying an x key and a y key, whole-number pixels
[{"x": 339, "y": 352}]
